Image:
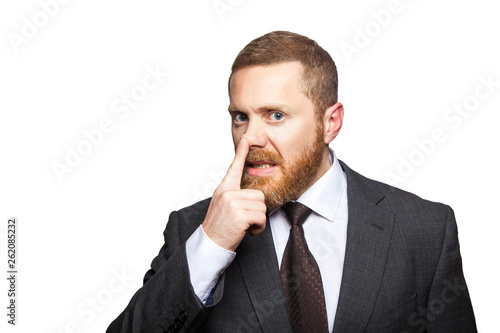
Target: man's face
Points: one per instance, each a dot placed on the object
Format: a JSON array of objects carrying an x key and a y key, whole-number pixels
[{"x": 287, "y": 148}]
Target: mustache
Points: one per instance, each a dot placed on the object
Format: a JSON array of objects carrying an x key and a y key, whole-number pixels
[{"x": 264, "y": 155}]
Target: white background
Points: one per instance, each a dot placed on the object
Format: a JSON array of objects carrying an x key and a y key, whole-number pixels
[{"x": 106, "y": 217}]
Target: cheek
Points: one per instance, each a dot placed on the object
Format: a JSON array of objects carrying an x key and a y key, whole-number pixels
[
  {"x": 288, "y": 145},
  {"x": 293, "y": 141}
]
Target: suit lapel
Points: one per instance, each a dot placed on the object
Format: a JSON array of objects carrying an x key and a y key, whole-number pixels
[
  {"x": 257, "y": 260},
  {"x": 369, "y": 232}
]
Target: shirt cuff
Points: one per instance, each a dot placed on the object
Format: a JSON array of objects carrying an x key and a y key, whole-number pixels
[{"x": 206, "y": 261}]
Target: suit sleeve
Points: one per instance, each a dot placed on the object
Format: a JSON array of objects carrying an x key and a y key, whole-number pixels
[
  {"x": 167, "y": 302},
  {"x": 449, "y": 307}
]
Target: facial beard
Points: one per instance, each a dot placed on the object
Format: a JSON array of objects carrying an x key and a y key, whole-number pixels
[{"x": 296, "y": 175}]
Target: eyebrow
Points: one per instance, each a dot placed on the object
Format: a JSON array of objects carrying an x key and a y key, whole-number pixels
[{"x": 277, "y": 107}]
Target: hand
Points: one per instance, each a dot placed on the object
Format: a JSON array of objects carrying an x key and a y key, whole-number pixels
[{"x": 232, "y": 210}]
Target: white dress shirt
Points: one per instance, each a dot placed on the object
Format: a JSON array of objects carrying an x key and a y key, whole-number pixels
[{"x": 325, "y": 231}]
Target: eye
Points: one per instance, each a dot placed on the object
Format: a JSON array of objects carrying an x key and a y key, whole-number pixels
[
  {"x": 240, "y": 118},
  {"x": 276, "y": 116}
]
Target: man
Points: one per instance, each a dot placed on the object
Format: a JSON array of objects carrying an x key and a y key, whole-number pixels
[{"x": 363, "y": 257}]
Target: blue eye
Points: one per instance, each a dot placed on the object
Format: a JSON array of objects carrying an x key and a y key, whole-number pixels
[
  {"x": 277, "y": 116},
  {"x": 240, "y": 118}
]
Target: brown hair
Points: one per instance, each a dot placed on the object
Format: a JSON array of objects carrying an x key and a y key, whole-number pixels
[{"x": 319, "y": 74}]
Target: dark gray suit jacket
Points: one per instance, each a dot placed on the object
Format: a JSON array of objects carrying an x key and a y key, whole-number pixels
[{"x": 402, "y": 273}]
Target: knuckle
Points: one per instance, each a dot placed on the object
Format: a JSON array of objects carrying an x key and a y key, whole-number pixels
[
  {"x": 232, "y": 205},
  {"x": 218, "y": 191},
  {"x": 225, "y": 195},
  {"x": 239, "y": 217},
  {"x": 239, "y": 214}
]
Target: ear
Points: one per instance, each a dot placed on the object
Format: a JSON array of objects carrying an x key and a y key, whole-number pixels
[{"x": 332, "y": 120}]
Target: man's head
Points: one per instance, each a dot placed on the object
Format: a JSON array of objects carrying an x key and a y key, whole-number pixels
[
  {"x": 283, "y": 99},
  {"x": 319, "y": 74}
]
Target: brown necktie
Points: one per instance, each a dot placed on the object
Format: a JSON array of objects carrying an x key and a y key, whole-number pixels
[{"x": 300, "y": 276}]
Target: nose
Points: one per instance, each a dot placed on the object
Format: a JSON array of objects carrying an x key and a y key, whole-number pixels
[{"x": 255, "y": 135}]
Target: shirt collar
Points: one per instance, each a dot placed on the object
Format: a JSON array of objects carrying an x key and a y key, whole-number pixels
[{"x": 324, "y": 196}]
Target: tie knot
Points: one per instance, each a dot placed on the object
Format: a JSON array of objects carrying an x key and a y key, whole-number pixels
[{"x": 296, "y": 212}]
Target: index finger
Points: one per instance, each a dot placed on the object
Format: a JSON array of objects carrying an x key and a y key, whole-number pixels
[{"x": 235, "y": 171}]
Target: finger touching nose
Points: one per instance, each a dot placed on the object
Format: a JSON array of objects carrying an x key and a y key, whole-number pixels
[{"x": 233, "y": 176}]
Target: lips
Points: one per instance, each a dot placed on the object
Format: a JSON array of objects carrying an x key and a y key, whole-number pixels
[
  {"x": 260, "y": 168},
  {"x": 260, "y": 164}
]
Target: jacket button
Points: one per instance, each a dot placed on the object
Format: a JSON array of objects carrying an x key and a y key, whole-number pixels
[{"x": 182, "y": 316}]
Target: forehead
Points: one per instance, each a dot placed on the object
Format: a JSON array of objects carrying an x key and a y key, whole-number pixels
[{"x": 270, "y": 84}]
